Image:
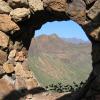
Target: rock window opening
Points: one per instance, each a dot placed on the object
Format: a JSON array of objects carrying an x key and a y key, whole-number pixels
[{"x": 60, "y": 52}]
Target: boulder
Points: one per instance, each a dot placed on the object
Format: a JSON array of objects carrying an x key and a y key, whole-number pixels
[
  {"x": 4, "y": 7},
  {"x": 8, "y": 68},
  {"x": 25, "y": 64},
  {"x": 94, "y": 12},
  {"x": 5, "y": 88},
  {"x": 12, "y": 54},
  {"x": 35, "y": 5},
  {"x": 4, "y": 39},
  {"x": 20, "y": 56},
  {"x": 1, "y": 71},
  {"x": 31, "y": 83},
  {"x": 19, "y": 14},
  {"x": 89, "y": 1},
  {"x": 18, "y": 45},
  {"x": 3, "y": 57},
  {"x": 77, "y": 11},
  {"x": 55, "y": 5},
  {"x": 19, "y": 71},
  {"x": 20, "y": 83},
  {"x": 7, "y": 25},
  {"x": 9, "y": 79},
  {"x": 18, "y": 3}
]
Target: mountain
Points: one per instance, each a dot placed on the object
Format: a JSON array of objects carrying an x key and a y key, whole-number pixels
[
  {"x": 54, "y": 60},
  {"x": 75, "y": 40}
]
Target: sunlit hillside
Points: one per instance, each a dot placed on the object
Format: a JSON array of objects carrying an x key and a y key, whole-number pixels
[{"x": 54, "y": 59}]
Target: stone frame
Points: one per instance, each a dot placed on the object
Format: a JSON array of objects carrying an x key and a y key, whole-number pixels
[{"x": 18, "y": 22}]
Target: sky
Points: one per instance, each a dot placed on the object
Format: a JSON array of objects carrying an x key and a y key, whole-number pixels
[{"x": 64, "y": 29}]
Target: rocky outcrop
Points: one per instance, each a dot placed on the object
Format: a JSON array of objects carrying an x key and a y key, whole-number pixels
[
  {"x": 55, "y": 5},
  {"x": 3, "y": 57},
  {"x": 4, "y": 7},
  {"x": 35, "y": 5},
  {"x": 4, "y": 40},
  {"x": 5, "y": 87},
  {"x": 19, "y": 14},
  {"x": 17, "y": 3},
  {"x": 18, "y": 21},
  {"x": 7, "y": 25}
]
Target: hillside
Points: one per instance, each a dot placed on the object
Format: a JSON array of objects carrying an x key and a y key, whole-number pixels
[{"x": 54, "y": 59}]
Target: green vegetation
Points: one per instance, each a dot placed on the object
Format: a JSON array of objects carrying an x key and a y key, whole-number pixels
[{"x": 60, "y": 87}]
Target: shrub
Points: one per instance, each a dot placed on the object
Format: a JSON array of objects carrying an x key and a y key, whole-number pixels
[{"x": 60, "y": 87}]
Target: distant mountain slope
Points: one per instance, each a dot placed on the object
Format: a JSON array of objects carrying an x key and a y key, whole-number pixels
[
  {"x": 53, "y": 59},
  {"x": 75, "y": 40}
]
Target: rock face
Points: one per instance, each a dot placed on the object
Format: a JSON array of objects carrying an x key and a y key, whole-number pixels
[
  {"x": 4, "y": 39},
  {"x": 77, "y": 12},
  {"x": 18, "y": 3},
  {"x": 36, "y": 5},
  {"x": 3, "y": 57},
  {"x": 56, "y": 5},
  {"x": 89, "y": 1},
  {"x": 4, "y": 7},
  {"x": 7, "y": 25},
  {"x": 20, "y": 13},
  {"x": 5, "y": 88},
  {"x": 8, "y": 68},
  {"x": 18, "y": 21}
]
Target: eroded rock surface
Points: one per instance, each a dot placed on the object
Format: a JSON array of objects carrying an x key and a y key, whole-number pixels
[
  {"x": 56, "y": 5},
  {"x": 4, "y": 39},
  {"x": 18, "y": 21},
  {"x": 35, "y": 5},
  {"x": 4, "y": 7},
  {"x": 7, "y": 25},
  {"x": 19, "y": 14}
]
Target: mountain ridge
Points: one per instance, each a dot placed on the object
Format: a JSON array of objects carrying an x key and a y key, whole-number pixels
[{"x": 53, "y": 59}]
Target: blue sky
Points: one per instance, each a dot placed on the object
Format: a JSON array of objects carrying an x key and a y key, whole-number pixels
[{"x": 65, "y": 29}]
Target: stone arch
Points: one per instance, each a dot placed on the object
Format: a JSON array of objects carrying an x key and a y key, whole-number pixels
[{"x": 18, "y": 21}]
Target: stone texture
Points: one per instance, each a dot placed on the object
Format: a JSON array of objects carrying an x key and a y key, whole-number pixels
[
  {"x": 4, "y": 39},
  {"x": 12, "y": 54},
  {"x": 19, "y": 70},
  {"x": 4, "y": 7},
  {"x": 31, "y": 83},
  {"x": 20, "y": 83},
  {"x": 47, "y": 96},
  {"x": 5, "y": 88},
  {"x": 93, "y": 27},
  {"x": 1, "y": 71},
  {"x": 89, "y": 1},
  {"x": 77, "y": 11},
  {"x": 96, "y": 33},
  {"x": 94, "y": 11},
  {"x": 7, "y": 25},
  {"x": 18, "y": 45},
  {"x": 9, "y": 79},
  {"x": 25, "y": 64},
  {"x": 36, "y": 5},
  {"x": 3, "y": 57},
  {"x": 55, "y": 5},
  {"x": 40, "y": 11},
  {"x": 19, "y": 14},
  {"x": 8, "y": 68},
  {"x": 26, "y": 75},
  {"x": 20, "y": 56},
  {"x": 18, "y": 3},
  {"x": 11, "y": 61}
]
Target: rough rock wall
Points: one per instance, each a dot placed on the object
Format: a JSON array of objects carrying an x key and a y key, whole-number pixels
[{"x": 18, "y": 21}]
